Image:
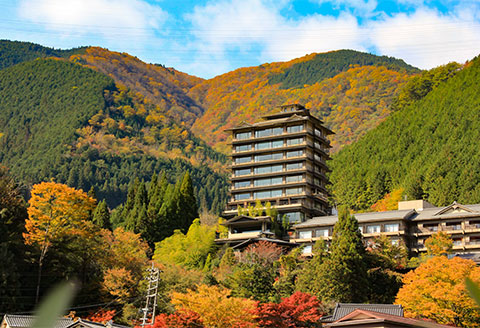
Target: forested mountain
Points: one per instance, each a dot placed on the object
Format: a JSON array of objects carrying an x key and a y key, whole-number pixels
[
  {"x": 429, "y": 146},
  {"x": 351, "y": 102},
  {"x": 15, "y": 52},
  {"x": 64, "y": 121},
  {"x": 107, "y": 117}
]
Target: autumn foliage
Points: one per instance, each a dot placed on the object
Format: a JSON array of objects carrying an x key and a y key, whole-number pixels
[
  {"x": 436, "y": 290},
  {"x": 298, "y": 310}
]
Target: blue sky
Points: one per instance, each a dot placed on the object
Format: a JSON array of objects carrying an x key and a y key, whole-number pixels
[{"x": 208, "y": 38}]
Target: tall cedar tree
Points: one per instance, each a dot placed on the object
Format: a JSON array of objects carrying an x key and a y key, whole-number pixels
[
  {"x": 344, "y": 273},
  {"x": 101, "y": 216},
  {"x": 13, "y": 214}
]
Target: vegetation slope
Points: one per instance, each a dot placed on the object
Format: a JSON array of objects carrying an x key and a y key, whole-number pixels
[{"x": 429, "y": 146}]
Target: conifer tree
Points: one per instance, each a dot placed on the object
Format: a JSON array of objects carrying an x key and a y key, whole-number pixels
[
  {"x": 343, "y": 276},
  {"x": 188, "y": 208},
  {"x": 101, "y": 216}
]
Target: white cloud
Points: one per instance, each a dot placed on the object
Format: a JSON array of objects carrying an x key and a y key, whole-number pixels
[
  {"x": 428, "y": 38},
  {"x": 360, "y": 7},
  {"x": 112, "y": 19}
]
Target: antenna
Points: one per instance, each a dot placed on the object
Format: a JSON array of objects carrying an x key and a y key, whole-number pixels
[{"x": 153, "y": 275}]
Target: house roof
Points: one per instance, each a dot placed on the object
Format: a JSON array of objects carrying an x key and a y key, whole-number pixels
[
  {"x": 361, "y": 218},
  {"x": 246, "y": 219},
  {"x": 452, "y": 211},
  {"x": 24, "y": 321},
  {"x": 342, "y": 309},
  {"x": 279, "y": 242},
  {"x": 93, "y": 324},
  {"x": 360, "y": 317}
]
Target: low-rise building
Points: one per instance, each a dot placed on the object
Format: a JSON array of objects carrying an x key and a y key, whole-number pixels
[{"x": 411, "y": 224}]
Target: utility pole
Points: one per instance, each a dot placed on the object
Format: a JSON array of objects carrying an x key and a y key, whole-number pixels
[{"x": 151, "y": 298}]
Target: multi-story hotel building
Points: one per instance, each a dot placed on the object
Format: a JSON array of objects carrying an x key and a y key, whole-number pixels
[
  {"x": 281, "y": 160},
  {"x": 412, "y": 224}
]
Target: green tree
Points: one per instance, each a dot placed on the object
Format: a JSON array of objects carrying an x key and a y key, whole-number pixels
[
  {"x": 309, "y": 278},
  {"x": 101, "y": 216},
  {"x": 344, "y": 275}
]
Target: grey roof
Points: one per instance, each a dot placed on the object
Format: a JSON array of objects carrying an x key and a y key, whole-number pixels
[
  {"x": 93, "y": 324},
  {"x": 437, "y": 213},
  {"x": 24, "y": 321},
  {"x": 361, "y": 218},
  {"x": 342, "y": 309}
]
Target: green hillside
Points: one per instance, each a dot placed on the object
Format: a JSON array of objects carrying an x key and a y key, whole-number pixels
[
  {"x": 429, "y": 147},
  {"x": 64, "y": 121},
  {"x": 15, "y": 52},
  {"x": 329, "y": 64}
]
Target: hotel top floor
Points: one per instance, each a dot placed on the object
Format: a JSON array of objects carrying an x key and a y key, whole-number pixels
[{"x": 281, "y": 160}]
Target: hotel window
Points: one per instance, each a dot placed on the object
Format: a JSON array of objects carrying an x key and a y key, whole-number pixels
[
  {"x": 295, "y": 128},
  {"x": 373, "y": 229},
  {"x": 307, "y": 249},
  {"x": 454, "y": 226},
  {"x": 268, "y": 182},
  {"x": 245, "y": 159},
  {"x": 243, "y": 135},
  {"x": 318, "y": 158},
  {"x": 268, "y": 193},
  {"x": 293, "y": 191},
  {"x": 243, "y": 196},
  {"x": 395, "y": 242},
  {"x": 268, "y": 132},
  {"x": 268, "y": 157},
  {"x": 294, "y": 178},
  {"x": 305, "y": 234},
  {"x": 243, "y": 148},
  {"x": 431, "y": 227},
  {"x": 321, "y": 233},
  {"x": 269, "y": 144},
  {"x": 243, "y": 172},
  {"x": 294, "y": 166},
  {"x": 457, "y": 241},
  {"x": 391, "y": 227},
  {"x": 294, "y": 153},
  {"x": 242, "y": 184},
  {"x": 294, "y": 141},
  {"x": 318, "y": 133},
  {"x": 361, "y": 229},
  {"x": 293, "y": 217},
  {"x": 268, "y": 169}
]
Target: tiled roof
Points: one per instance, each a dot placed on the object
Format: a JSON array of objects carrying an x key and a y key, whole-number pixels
[
  {"x": 24, "y": 321},
  {"x": 366, "y": 316},
  {"x": 93, "y": 324},
  {"x": 342, "y": 309},
  {"x": 361, "y": 218}
]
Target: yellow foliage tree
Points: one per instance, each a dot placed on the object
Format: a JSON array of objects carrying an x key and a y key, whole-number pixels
[
  {"x": 216, "y": 308},
  {"x": 439, "y": 244},
  {"x": 389, "y": 202},
  {"x": 54, "y": 211},
  {"x": 436, "y": 290}
]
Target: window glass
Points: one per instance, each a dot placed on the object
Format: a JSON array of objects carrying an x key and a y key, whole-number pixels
[
  {"x": 295, "y": 141},
  {"x": 242, "y": 172},
  {"x": 321, "y": 233},
  {"x": 268, "y": 193},
  {"x": 277, "y": 131},
  {"x": 243, "y": 196},
  {"x": 391, "y": 227},
  {"x": 394, "y": 241},
  {"x": 293, "y": 191},
  {"x": 262, "y": 145},
  {"x": 242, "y": 184},
  {"x": 373, "y": 229},
  {"x": 268, "y": 132},
  {"x": 268, "y": 181},
  {"x": 245, "y": 159},
  {"x": 294, "y": 166},
  {"x": 305, "y": 234},
  {"x": 294, "y": 178},
  {"x": 307, "y": 249},
  {"x": 268, "y": 157},
  {"x": 293, "y": 217},
  {"x": 318, "y": 133},
  {"x": 243, "y": 148},
  {"x": 294, "y": 153},
  {"x": 277, "y": 143},
  {"x": 361, "y": 229},
  {"x": 243, "y": 135},
  {"x": 268, "y": 169},
  {"x": 295, "y": 128}
]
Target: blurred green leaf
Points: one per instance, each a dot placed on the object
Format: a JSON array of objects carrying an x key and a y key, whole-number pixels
[
  {"x": 473, "y": 290},
  {"x": 53, "y": 306}
]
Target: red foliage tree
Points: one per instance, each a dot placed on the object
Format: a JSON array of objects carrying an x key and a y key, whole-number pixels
[
  {"x": 102, "y": 316},
  {"x": 298, "y": 310},
  {"x": 179, "y": 319}
]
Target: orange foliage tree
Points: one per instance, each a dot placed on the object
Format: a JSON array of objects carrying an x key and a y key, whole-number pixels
[
  {"x": 439, "y": 244},
  {"x": 389, "y": 202},
  {"x": 216, "y": 308},
  {"x": 436, "y": 290},
  {"x": 55, "y": 210}
]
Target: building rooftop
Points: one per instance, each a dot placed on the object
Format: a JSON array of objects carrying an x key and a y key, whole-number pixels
[
  {"x": 342, "y": 309},
  {"x": 24, "y": 321}
]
